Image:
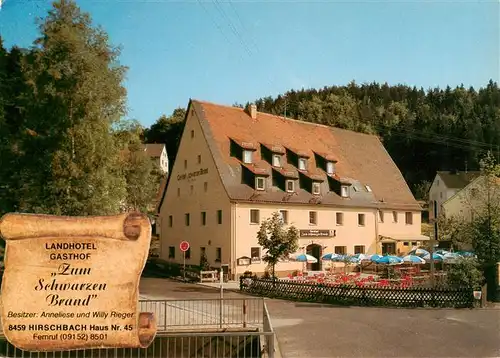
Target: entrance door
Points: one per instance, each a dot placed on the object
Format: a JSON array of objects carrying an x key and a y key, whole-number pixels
[
  {"x": 316, "y": 251},
  {"x": 388, "y": 248}
]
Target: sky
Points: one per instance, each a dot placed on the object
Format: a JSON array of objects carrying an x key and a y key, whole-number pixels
[{"x": 227, "y": 51}]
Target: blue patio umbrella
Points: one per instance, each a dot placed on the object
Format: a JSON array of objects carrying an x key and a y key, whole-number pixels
[
  {"x": 389, "y": 259},
  {"x": 330, "y": 257},
  {"x": 442, "y": 252},
  {"x": 418, "y": 252},
  {"x": 357, "y": 258},
  {"x": 413, "y": 259},
  {"x": 451, "y": 257},
  {"x": 339, "y": 258},
  {"x": 466, "y": 254},
  {"x": 435, "y": 257},
  {"x": 374, "y": 258}
]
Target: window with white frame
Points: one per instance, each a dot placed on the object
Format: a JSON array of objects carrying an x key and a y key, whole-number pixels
[
  {"x": 316, "y": 188},
  {"x": 277, "y": 160},
  {"x": 284, "y": 216},
  {"x": 368, "y": 189},
  {"x": 260, "y": 183},
  {"x": 359, "y": 249},
  {"x": 380, "y": 216},
  {"x": 409, "y": 218},
  {"x": 302, "y": 163},
  {"x": 339, "y": 218},
  {"x": 361, "y": 219},
  {"x": 247, "y": 156},
  {"x": 254, "y": 216},
  {"x": 344, "y": 191},
  {"x": 290, "y": 186},
  {"x": 394, "y": 216},
  {"x": 313, "y": 217},
  {"x": 330, "y": 168},
  {"x": 340, "y": 250}
]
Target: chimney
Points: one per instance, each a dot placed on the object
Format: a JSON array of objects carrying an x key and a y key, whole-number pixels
[{"x": 252, "y": 110}]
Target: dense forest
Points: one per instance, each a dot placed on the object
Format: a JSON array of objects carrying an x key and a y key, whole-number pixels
[{"x": 423, "y": 131}]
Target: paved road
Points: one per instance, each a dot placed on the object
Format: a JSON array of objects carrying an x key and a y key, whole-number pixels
[{"x": 314, "y": 330}]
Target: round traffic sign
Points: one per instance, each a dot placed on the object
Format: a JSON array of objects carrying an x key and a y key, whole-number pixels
[{"x": 184, "y": 246}]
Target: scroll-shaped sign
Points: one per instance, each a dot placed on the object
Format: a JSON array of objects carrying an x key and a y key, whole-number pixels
[{"x": 73, "y": 282}]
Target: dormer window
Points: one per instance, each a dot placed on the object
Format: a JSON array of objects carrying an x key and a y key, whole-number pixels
[
  {"x": 368, "y": 189},
  {"x": 290, "y": 186},
  {"x": 247, "y": 156},
  {"x": 344, "y": 191},
  {"x": 277, "y": 160},
  {"x": 316, "y": 190},
  {"x": 330, "y": 168},
  {"x": 302, "y": 163},
  {"x": 260, "y": 183}
]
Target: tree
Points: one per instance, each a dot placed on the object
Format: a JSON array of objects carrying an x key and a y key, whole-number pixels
[
  {"x": 278, "y": 241},
  {"x": 484, "y": 202},
  {"x": 422, "y": 190},
  {"x": 204, "y": 265},
  {"x": 76, "y": 96},
  {"x": 142, "y": 175},
  {"x": 454, "y": 229},
  {"x": 168, "y": 130},
  {"x": 465, "y": 272},
  {"x": 13, "y": 130}
]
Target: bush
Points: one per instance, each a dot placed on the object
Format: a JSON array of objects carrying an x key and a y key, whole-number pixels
[
  {"x": 465, "y": 273},
  {"x": 204, "y": 265}
]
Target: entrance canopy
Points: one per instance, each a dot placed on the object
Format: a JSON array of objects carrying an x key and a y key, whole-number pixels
[{"x": 396, "y": 238}]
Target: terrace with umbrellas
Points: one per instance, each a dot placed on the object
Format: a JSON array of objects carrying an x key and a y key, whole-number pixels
[{"x": 411, "y": 270}]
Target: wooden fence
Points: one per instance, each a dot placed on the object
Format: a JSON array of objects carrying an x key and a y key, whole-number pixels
[{"x": 359, "y": 296}]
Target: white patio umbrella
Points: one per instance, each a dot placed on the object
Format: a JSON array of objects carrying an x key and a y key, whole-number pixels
[
  {"x": 414, "y": 259},
  {"x": 304, "y": 258}
]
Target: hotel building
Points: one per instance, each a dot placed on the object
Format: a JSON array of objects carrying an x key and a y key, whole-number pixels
[{"x": 235, "y": 167}]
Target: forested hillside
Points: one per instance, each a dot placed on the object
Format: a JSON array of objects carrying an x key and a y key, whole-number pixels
[{"x": 424, "y": 131}]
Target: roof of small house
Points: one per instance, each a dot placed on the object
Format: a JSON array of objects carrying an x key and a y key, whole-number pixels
[
  {"x": 458, "y": 179},
  {"x": 154, "y": 149}
]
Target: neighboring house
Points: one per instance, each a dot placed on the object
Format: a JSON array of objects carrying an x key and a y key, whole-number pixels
[
  {"x": 235, "y": 167},
  {"x": 472, "y": 199},
  {"x": 444, "y": 186},
  {"x": 158, "y": 152}
]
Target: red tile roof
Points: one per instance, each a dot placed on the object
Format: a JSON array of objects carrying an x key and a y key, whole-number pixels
[
  {"x": 153, "y": 149},
  {"x": 361, "y": 158}
]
